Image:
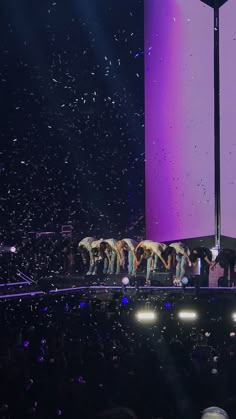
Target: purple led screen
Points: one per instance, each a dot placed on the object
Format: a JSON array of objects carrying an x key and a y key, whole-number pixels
[
  {"x": 179, "y": 119},
  {"x": 228, "y": 117}
]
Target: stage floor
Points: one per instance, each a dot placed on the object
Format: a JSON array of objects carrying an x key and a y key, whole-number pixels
[{"x": 73, "y": 283}]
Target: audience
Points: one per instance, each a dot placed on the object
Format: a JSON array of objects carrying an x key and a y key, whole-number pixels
[{"x": 86, "y": 356}]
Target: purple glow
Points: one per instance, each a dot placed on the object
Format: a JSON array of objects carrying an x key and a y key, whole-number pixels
[
  {"x": 25, "y": 277},
  {"x": 228, "y": 117},
  {"x": 154, "y": 288},
  {"x": 10, "y": 284},
  {"x": 179, "y": 119},
  {"x": 26, "y": 344},
  {"x": 80, "y": 380},
  {"x": 56, "y": 291},
  {"x": 44, "y": 310},
  {"x": 22, "y": 294}
]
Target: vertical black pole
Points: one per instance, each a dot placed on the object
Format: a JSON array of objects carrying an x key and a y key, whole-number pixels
[{"x": 217, "y": 124}]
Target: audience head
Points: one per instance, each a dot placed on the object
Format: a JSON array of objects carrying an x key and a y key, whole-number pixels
[{"x": 214, "y": 413}]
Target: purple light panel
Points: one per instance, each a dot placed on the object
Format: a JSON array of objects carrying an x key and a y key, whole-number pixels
[
  {"x": 228, "y": 117},
  {"x": 179, "y": 105}
]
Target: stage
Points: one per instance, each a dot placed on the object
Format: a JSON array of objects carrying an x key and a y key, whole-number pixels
[{"x": 25, "y": 286}]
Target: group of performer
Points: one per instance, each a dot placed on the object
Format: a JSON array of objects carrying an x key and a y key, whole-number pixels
[{"x": 111, "y": 256}]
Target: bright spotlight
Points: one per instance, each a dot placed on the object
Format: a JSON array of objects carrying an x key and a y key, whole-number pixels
[
  {"x": 144, "y": 316},
  {"x": 125, "y": 280},
  {"x": 7, "y": 249},
  {"x": 234, "y": 317},
  {"x": 187, "y": 315}
]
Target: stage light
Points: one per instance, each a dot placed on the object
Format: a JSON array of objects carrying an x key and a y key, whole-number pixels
[
  {"x": 184, "y": 280},
  {"x": 124, "y": 300},
  {"x": 82, "y": 304},
  {"x": 146, "y": 316},
  {"x": 168, "y": 305},
  {"x": 125, "y": 280},
  {"x": 7, "y": 249},
  {"x": 187, "y": 315},
  {"x": 44, "y": 309},
  {"x": 234, "y": 317}
]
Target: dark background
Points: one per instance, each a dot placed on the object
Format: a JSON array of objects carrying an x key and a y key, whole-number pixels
[{"x": 72, "y": 117}]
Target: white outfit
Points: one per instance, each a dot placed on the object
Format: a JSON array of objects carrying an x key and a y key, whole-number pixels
[
  {"x": 130, "y": 247},
  {"x": 180, "y": 248},
  {"x": 87, "y": 243},
  {"x": 113, "y": 255},
  {"x": 157, "y": 248},
  {"x": 181, "y": 259},
  {"x": 96, "y": 243},
  {"x": 131, "y": 244},
  {"x": 112, "y": 243}
]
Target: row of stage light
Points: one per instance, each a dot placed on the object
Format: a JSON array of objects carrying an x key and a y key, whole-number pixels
[
  {"x": 151, "y": 316},
  {"x": 184, "y": 315}
]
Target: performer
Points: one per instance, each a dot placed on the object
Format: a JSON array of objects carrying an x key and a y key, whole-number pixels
[
  {"x": 69, "y": 255},
  {"x": 205, "y": 256},
  {"x": 98, "y": 257},
  {"x": 182, "y": 253},
  {"x": 85, "y": 248},
  {"x": 151, "y": 251},
  {"x": 127, "y": 245},
  {"x": 169, "y": 255},
  {"x": 113, "y": 256},
  {"x": 98, "y": 261},
  {"x": 226, "y": 259}
]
